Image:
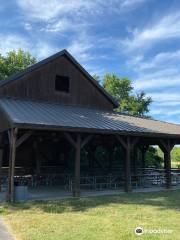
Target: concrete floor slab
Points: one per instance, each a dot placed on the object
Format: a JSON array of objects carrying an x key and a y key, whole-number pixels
[{"x": 4, "y": 233}]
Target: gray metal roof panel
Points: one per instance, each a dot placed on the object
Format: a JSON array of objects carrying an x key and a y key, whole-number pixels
[{"x": 59, "y": 116}]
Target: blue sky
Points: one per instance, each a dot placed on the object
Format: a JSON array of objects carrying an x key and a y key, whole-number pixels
[{"x": 138, "y": 39}]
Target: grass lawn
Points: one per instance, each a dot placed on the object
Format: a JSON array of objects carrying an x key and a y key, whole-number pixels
[{"x": 96, "y": 218}]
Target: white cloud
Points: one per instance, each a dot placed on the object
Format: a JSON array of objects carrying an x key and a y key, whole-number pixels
[
  {"x": 39, "y": 49},
  {"x": 12, "y": 42},
  {"x": 64, "y": 25},
  {"x": 130, "y": 3},
  {"x": 61, "y": 25},
  {"x": 27, "y": 26},
  {"x": 72, "y": 16},
  {"x": 160, "y": 60},
  {"x": 167, "y": 104},
  {"x": 166, "y": 113},
  {"x": 46, "y": 10},
  {"x": 159, "y": 72},
  {"x": 167, "y": 27},
  {"x": 164, "y": 96},
  {"x": 158, "y": 80},
  {"x": 43, "y": 50},
  {"x": 80, "y": 48}
]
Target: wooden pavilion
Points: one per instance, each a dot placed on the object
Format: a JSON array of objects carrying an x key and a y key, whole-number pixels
[{"x": 56, "y": 104}]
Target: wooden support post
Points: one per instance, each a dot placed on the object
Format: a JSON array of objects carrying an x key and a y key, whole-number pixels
[
  {"x": 135, "y": 162},
  {"x": 12, "y": 157},
  {"x": 128, "y": 144},
  {"x": 143, "y": 150},
  {"x": 167, "y": 146},
  {"x": 1, "y": 161},
  {"x": 128, "y": 187},
  {"x": 13, "y": 144},
  {"x": 76, "y": 192},
  {"x": 78, "y": 145},
  {"x": 37, "y": 158},
  {"x": 167, "y": 159}
]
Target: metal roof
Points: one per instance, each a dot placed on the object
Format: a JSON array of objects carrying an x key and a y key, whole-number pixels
[
  {"x": 64, "y": 52},
  {"x": 31, "y": 114}
]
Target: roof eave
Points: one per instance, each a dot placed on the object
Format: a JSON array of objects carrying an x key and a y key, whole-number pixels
[{"x": 96, "y": 131}]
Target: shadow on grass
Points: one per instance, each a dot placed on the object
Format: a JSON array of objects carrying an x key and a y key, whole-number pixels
[{"x": 163, "y": 200}]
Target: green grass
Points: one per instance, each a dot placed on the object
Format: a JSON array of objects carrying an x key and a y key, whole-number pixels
[{"x": 96, "y": 218}]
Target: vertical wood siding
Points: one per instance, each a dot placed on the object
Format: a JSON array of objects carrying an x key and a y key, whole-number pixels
[{"x": 40, "y": 85}]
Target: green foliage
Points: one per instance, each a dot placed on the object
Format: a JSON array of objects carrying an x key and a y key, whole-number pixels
[
  {"x": 122, "y": 90},
  {"x": 119, "y": 88},
  {"x": 14, "y": 62},
  {"x": 176, "y": 154},
  {"x": 153, "y": 159},
  {"x": 96, "y": 77}
]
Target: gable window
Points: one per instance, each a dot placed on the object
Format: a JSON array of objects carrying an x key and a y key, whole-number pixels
[{"x": 62, "y": 84}]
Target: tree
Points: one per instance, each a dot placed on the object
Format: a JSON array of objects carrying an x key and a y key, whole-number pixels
[
  {"x": 122, "y": 90},
  {"x": 153, "y": 159},
  {"x": 14, "y": 62},
  {"x": 97, "y": 78}
]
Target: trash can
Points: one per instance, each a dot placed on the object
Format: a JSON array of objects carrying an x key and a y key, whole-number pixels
[{"x": 20, "y": 192}]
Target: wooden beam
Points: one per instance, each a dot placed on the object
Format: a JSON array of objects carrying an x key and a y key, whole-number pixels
[
  {"x": 167, "y": 146},
  {"x": 134, "y": 141},
  {"x": 167, "y": 159},
  {"x": 134, "y": 162},
  {"x": 163, "y": 149},
  {"x": 128, "y": 187},
  {"x": 23, "y": 138},
  {"x": 86, "y": 140},
  {"x": 76, "y": 192},
  {"x": 121, "y": 140},
  {"x": 1, "y": 139},
  {"x": 1, "y": 160},
  {"x": 143, "y": 159},
  {"x": 12, "y": 158},
  {"x": 143, "y": 149},
  {"x": 128, "y": 144},
  {"x": 78, "y": 145},
  {"x": 9, "y": 135},
  {"x": 37, "y": 158},
  {"x": 70, "y": 139}
]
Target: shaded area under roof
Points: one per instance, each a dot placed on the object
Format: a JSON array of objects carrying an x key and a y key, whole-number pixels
[{"x": 31, "y": 114}]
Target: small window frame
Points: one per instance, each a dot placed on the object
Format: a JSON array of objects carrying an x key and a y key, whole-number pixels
[{"x": 61, "y": 87}]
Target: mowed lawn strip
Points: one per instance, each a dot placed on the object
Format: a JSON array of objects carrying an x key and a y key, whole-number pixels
[{"x": 95, "y": 218}]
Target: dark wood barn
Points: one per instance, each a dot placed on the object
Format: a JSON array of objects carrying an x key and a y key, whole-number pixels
[{"x": 54, "y": 115}]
